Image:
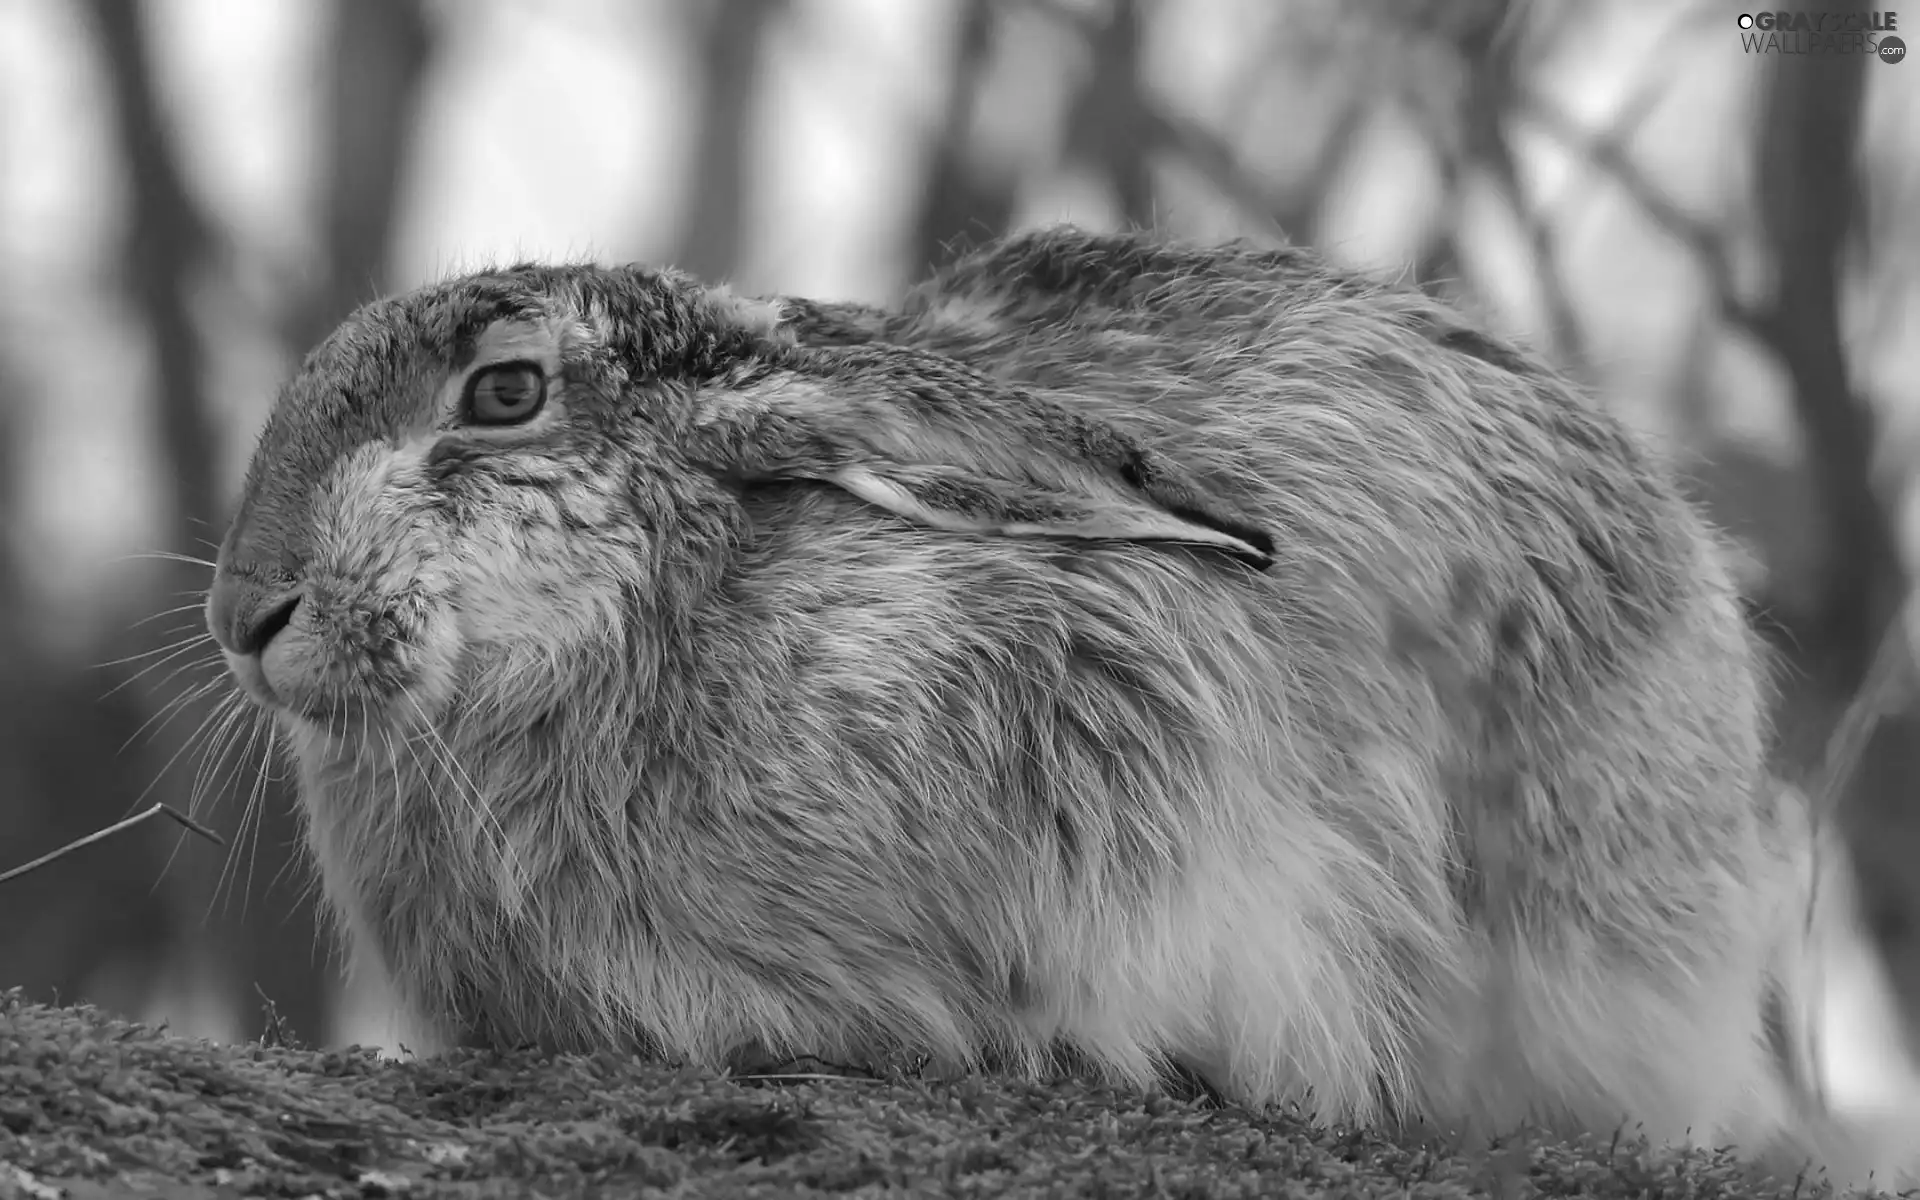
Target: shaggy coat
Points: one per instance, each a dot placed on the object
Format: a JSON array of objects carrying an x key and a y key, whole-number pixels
[{"x": 1168, "y": 655}]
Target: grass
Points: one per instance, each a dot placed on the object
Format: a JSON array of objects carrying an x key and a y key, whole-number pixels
[{"x": 93, "y": 1106}]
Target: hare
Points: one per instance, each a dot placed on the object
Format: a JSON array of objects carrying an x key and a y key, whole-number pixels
[{"x": 1175, "y": 656}]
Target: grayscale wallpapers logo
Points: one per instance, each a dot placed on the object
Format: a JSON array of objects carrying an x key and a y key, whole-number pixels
[{"x": 1823, "y": 33}]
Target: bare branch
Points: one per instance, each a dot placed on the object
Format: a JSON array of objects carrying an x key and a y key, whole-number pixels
[
  {"x": 1159, "y": 128},
  {"x": 1563, "y": 322},
  {"x": 1103, "y": 125},
  {"x": 167, "y": 237},
  {"x": 954, "y": 198},
  {"x": 1609, "y": 151},
  {"x": 1653, "y": 76},
  {"x": 1213, "y": 157}
]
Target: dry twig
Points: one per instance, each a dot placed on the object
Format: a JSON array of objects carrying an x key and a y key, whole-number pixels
[{"x": 158, "y": 810}]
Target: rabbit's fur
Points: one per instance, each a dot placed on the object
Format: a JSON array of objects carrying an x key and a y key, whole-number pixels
[{"x": 1178, "y": 655}]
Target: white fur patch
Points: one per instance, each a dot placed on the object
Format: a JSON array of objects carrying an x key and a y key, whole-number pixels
[
  {"x": 969, "y": 314},
  {"x": 758, "y": 316}
]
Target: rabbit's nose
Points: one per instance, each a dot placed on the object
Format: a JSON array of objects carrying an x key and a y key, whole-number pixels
[{"x": 244, "y": 616}]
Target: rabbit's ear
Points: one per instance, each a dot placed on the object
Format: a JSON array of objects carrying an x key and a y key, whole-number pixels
[{"x": 944, "y": 446}]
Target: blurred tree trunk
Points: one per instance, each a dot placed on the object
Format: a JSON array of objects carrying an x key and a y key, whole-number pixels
[
  {"x": 377, "y": 62},
  {"x": 164, "y": 251},
  {"x": 1809, "y": 186},
  {"x": 732, "y": 50},
  {"x": 1107, "y": 127},
  {"x": 167, "y": 240},
  {"x": 956, "y": 198}
]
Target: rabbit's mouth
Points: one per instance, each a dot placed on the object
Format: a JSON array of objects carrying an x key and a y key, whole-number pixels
[{"x": 342, "y": 666}]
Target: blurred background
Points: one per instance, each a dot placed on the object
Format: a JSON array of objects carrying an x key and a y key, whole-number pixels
[{"x": 1723, "y": 244}]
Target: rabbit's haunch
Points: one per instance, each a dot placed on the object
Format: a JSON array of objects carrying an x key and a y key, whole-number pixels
[{"x": 1177, "y": 656}]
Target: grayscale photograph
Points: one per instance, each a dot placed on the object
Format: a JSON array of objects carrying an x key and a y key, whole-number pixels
[{"x": 855, "y": 598}]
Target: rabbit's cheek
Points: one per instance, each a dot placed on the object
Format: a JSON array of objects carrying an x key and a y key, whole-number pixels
[
  {"x": 538, "y": 589},
  {"x": 537, "y": 560},
  {"x": 374, "y": 632},
  {"x": 537, "y": 603}
]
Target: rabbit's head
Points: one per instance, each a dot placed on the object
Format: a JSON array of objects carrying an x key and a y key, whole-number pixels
[{"x": 501, "y": 472}]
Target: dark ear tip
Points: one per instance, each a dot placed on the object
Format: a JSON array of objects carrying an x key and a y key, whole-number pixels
[
  {"x": 1255, "y": 546},
  {"x": 1260, "y": 560},
  {"x": 1259, "y": 547}
]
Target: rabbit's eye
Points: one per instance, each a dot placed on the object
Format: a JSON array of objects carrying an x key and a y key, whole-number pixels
[{"x": 505, "y": 394}]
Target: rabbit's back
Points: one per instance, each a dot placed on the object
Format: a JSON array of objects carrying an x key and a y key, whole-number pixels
[
  {"x": 1454, "y": 508},
  {"x": 1498, "y": 650}
]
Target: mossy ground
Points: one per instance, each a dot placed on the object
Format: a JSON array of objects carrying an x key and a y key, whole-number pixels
[{"x": 92, "y": 1106}]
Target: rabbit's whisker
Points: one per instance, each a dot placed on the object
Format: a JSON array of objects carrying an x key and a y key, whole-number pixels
[
  {"x": 170, "y": 651},
  {"x": 168, "y": 556}
]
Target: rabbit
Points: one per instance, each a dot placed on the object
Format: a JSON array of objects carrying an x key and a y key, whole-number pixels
[{"x": 1164, "y": 656}]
